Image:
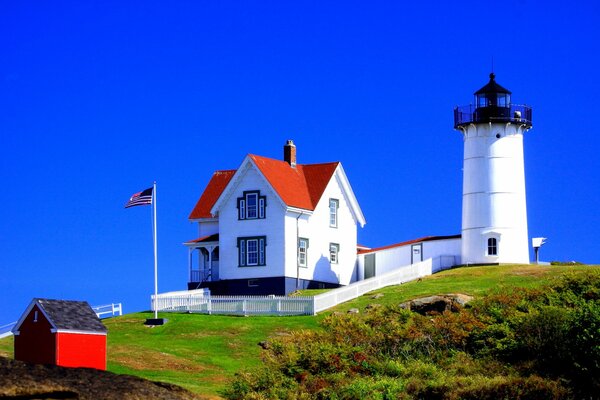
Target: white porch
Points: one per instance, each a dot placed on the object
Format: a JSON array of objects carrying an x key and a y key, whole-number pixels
[{"x": 203, "y": 259}]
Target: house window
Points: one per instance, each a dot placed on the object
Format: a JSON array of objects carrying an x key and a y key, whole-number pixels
[
  {"x": 35, "y": 316},
  {"x": 334, "y": 249},
  {"x": 333, "y": 212},
  {"x": 302, "y": 251},
  {"x": 492, "y": 247},
  {"x": 251, "y": 251},
  {"x": 251, "y": 205}
]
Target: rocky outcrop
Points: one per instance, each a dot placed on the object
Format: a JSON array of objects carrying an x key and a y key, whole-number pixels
[
  {"x": 437, "y": 304},
  {"x": 19, "y": 380}
]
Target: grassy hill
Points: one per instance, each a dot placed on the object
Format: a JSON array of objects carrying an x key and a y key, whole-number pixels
[{"x": 202, "y": 353}]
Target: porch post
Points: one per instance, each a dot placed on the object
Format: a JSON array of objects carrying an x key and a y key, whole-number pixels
[
  {"x": 190, "y": 250},
  {"x": 210, "y": 250}
]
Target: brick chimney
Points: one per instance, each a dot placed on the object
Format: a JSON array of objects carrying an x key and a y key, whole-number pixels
[{"x": 289, "y": 153}]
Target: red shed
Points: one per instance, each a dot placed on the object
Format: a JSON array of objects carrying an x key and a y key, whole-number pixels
[{"x": 61, "y": 332}]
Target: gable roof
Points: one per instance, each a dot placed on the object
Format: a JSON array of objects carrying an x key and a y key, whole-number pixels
[
  {"x": 213, "y": 190},
  {"x": 300, "y": 187},
  {"x": 66, "y": 315}
]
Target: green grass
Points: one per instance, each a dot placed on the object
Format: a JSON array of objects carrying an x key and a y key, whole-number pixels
[
  {"x": 467, "y": 280},
  {"x": 198, "y": 352},
  {"x": 202, "y": 352}
]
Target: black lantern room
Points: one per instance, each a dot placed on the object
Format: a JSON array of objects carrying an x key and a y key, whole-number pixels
[{"x": 492, "y": 104}]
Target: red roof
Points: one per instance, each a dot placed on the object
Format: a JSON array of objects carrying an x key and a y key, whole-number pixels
[
  {"x": 300, "y": 187},
  {"x": 423, "y": 239},
  {"x": 205, "y": 239},
  {"x": 211, "y": 194}
]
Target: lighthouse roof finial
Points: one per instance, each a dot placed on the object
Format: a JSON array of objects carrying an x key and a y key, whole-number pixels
[{"x": 492, "y": 87}]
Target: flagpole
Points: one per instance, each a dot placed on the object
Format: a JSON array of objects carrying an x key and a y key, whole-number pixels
[{"x": 155, "y": 255}]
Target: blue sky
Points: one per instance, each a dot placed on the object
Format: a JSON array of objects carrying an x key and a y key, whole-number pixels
[{"x": 99, "y": 99}]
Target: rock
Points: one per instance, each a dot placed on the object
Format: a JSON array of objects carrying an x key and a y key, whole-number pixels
[
  {"x": 461, "y": 299},
  {"x": 371, "y": 307},
  {"x": 377, "y": 296},
  {"x": 264, "y": 344},
  {"x": 353, "y": 311},
  {"x": 437, "y": 304}
]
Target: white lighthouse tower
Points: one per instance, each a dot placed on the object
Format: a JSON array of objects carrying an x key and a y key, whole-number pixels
[{"x": 494, "y": 213}]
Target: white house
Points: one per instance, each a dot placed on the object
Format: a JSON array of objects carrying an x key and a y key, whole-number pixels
[{"x": 274, "y": 226}]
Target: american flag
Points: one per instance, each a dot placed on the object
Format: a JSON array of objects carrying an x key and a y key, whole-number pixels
[{"x": 140, "y": 199}]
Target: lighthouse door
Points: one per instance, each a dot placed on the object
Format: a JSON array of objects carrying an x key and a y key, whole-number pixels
[{"x": 416, "y": 251}]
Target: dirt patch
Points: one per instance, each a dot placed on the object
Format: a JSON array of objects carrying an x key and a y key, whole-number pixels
[
  {"x": 34, "y": 381},
  {"x": 151, "y": 360},
  {"x": 531, "y": 271}
]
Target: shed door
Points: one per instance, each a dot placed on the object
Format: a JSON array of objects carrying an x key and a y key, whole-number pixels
[
  {"x": 369, "y": 266},
  {"x": 416, "y": 251}
]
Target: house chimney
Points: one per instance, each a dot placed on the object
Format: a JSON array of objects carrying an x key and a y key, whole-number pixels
[{"x": 289, "y": 153}]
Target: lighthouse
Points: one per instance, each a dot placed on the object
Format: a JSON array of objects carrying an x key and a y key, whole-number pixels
[{"x": 494, "y": 211}]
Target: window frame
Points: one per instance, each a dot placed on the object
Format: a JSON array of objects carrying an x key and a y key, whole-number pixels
[
  {"x": 250, "y": 212},
  {"x": 334, "y": 256},
  {"x": 300, "y": 253},
  {"x": 492, "y": 246},
  {"x": 333, "y": 212},
  {"x": 259, "y": 253}
]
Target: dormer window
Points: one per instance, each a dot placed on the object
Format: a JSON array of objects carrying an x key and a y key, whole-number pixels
[{"x": 251, "y": 205}]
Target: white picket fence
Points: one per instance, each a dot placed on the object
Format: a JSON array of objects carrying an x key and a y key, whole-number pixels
[{"x": 201, "y": 301}]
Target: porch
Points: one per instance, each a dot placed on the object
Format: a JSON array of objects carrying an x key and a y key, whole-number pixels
[{"x": 203, "y": 261}]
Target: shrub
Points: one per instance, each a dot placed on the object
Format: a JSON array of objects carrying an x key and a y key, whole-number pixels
[{"x": 517, "y": 344}]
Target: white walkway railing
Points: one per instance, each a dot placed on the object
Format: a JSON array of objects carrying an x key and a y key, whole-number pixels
[
  {"x": 108, "y": 310},
  {"x": 401, "y": 275},
  {"x": 201, "y": 301},
  {"x": 6, "y": 330}
]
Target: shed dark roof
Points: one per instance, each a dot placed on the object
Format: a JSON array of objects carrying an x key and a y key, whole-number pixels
[
  {"x": 71, "y": 315},
  {"x": 492, "y": 87}
]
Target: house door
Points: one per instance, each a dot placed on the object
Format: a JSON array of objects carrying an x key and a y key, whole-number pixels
[
  {"x": 214, "y": 267},
  {"x": 369, "y": 266},
  {"x": 416, "y": 253}
]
